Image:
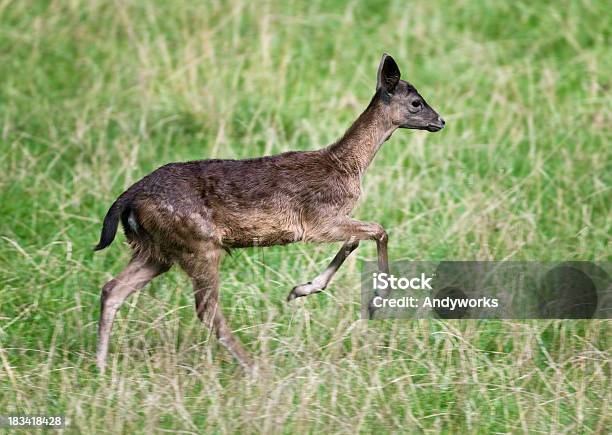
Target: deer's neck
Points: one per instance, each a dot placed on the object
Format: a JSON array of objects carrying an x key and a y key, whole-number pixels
[{"x": 356, "y": 149}]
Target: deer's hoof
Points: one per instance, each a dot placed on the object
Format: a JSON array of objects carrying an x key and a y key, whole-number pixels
[
  {"x": 371, "y": 310},
  {"x": 252, "y": 372},
  {"x": 303, "y": 290}
]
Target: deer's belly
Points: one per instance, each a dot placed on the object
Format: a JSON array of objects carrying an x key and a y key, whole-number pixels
[
  {"x": 241, "y": 241},
  {"x": 256, "y": 237},
  {"x": 261, "y": 231}
]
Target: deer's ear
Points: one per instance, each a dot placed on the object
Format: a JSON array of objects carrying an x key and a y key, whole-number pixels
[{"x": 388, "y": 74}]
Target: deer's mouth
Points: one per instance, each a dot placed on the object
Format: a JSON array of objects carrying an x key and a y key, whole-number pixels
[{"x": 436, "y": 126}]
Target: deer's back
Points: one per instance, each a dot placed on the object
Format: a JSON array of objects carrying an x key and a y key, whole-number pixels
[{"x": 236, "y": 203}]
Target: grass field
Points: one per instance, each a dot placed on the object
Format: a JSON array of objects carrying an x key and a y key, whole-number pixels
[{"x": 96, "y": 94}]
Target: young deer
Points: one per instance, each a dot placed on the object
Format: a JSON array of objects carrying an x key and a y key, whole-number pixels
[{"x": 189, "y": 213}]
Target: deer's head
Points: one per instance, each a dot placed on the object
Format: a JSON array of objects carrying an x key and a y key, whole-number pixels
[{"x": 403, "y": 104}]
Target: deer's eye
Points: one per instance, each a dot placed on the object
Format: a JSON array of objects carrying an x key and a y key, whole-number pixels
[{"x": 416, "y": 104}]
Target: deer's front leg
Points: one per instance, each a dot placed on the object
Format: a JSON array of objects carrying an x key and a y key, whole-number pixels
[
  {"x": 346, "y": 229},
  {"x": 368, "y": 231},
  {"x": 320, "y": 282}
]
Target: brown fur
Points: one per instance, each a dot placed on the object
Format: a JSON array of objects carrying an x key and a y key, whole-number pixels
[{"x": 187, "y": 213}]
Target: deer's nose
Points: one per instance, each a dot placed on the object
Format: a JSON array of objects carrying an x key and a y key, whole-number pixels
[{"x": 441, "y": 121}]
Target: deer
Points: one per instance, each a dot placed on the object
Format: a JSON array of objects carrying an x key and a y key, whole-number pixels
[{"x": 190, "y": 213}]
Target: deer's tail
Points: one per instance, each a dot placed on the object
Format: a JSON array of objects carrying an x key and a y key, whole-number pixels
[{"x": 111, "y": 222}]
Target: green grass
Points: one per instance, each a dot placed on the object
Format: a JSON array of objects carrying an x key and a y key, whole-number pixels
[{"x": 96, "y": 94}]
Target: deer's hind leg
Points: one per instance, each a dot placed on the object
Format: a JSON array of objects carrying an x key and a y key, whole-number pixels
[
  {"x": 203, "y": 268},
  {"x": 138, "y": 273}
]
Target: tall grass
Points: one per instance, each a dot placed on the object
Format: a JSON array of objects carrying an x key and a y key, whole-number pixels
[{"x": 96, "y": 94}]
